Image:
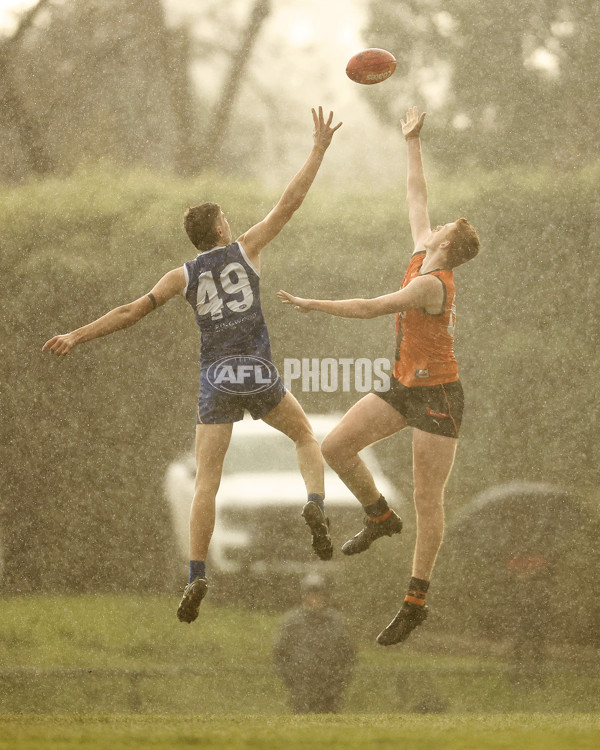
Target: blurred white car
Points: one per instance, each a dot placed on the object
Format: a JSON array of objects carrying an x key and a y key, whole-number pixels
[{"x": 258, "y": 526}]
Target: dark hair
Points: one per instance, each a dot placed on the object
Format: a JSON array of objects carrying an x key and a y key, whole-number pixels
[
  {"x": 199, "y": 222},
  {"x": 464, "y": 244}
]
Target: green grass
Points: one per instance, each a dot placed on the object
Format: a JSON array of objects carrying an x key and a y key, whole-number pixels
[
  {"x": 127, "y": 654},
  {"x": 348, "y": 732},
  {"x": 111, "y": 653},
  {"x": 127, "y": 632}
]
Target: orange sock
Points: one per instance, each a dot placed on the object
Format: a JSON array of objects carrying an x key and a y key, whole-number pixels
[
  {"x": 379, "y": 510},
  {"x": 417, "y": 591}
]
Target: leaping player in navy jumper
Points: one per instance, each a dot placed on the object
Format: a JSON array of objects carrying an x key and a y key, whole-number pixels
[{"x": 236, "y": 371}]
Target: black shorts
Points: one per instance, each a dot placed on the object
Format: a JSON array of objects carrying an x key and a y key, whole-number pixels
[{"x": 432, "y": 408}]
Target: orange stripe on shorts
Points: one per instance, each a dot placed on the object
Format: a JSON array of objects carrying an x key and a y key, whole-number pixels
[{"x": 449, "y": 409}]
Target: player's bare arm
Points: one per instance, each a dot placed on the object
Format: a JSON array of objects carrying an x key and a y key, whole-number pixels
[
  {"x": 425, "y": 292},
  {"x": 262, "y": 233},
  {"x": 171, "y": 284},
  {"x": 416, "y": 192}
]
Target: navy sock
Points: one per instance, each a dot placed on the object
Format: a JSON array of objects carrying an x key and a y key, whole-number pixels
[
  {"x": 318, "y": 499},
  {"x": 197, "y": 569}
]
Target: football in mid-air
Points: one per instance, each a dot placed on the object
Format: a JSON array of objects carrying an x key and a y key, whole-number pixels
[{"x": 371, "y": 66}]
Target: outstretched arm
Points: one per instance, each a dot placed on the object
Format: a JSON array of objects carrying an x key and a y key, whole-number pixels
[
  {"x": 124, "y": 316},
  {"x": 423, "y": 292},
  {"x": 416, "y": 194},
  {"x": 262, "y": 233}
]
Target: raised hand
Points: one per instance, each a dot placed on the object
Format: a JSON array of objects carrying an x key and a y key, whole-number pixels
[
  {"x": 300, "y": 304},
  {"x": 412, "y": 127},
  {"x": 323, "y": 132}
]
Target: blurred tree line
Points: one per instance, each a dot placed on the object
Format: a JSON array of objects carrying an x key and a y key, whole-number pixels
[
  {"x": 86, "y": 439},
  {"x": 85, "y": 80},
  {"x": 508, "y": 83}
]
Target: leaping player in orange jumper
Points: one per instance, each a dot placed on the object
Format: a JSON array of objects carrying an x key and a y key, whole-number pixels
[{"x": 425, "y": 392}]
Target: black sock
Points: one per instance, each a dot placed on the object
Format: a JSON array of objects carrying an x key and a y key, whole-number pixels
[
  {"x": 417, "y": 590},
  {"x": 376, "y": 510}
]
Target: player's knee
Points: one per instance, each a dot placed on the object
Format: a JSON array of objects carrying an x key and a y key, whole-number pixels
[
  {"x": 305, "y": 438},
  {"x": 337, "y": 455},
  {"x": 206, "y": 487},
  {"x": 329, "y": 449}
]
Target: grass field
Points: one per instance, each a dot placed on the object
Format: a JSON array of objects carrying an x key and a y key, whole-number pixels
[
  {"x": 344, "y": 732},
  {"x": 109, "y": 671}
]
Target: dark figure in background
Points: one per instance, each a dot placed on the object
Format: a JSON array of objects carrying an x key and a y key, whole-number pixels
[{"x": 314, "y": 654}]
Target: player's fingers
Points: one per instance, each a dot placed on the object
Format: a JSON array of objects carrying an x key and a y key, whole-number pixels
[
  {"x": 63, "y": 346},
  {"x": 321, "y": 121},
  {"x": 53, "y": 343},
  {"x": 337, "y": 127},
  {"x": 314, "y": 116}
]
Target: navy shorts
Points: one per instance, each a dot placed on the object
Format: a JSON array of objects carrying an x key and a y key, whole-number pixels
[
  {"x": 217, "y": 407},
  {"x": 432, "y": 408}
]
